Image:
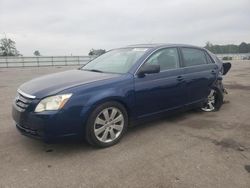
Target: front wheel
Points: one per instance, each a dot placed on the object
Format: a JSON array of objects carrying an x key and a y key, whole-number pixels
[
  {"x": 214, "y": 101},
  {"x": 107, "y": 124}
]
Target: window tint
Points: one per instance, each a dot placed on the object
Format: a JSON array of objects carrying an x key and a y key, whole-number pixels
[
  {"x": 166, "y": 58},
  {"x": 193, "y": 57}
]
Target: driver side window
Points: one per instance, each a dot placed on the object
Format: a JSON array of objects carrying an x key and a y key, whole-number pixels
[{"x": 167, "y": 59}]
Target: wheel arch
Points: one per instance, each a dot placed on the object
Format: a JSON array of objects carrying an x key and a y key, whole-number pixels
[
  {"x": 112, "y": 99},
  {"x": 94, "y": 110},
  {"x": 218, "y": 86},
  {"x": 87, "y": 110}
]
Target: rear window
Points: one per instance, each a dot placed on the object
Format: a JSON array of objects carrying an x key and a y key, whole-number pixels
[{"x": 192, "y": 57}]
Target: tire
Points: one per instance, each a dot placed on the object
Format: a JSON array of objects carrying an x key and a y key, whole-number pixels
[
  {"x": 214, "y": 101},
  {"x": 106, "y": 125}
]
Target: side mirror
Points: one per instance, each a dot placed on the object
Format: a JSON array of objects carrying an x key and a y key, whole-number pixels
[
  {"x": 226, "y": 67},
  {"x": 148, "y": 69}
]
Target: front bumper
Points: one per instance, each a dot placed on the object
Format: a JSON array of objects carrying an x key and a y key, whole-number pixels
[
  {"x": 29, "y": 132},
  {"x": 48, "y": 126}
]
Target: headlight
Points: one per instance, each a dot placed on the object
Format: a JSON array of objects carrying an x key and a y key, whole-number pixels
[{"x": 52, "y": 103}]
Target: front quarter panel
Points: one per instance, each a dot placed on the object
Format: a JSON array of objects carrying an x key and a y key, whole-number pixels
[{"x": 85, "y": 98}]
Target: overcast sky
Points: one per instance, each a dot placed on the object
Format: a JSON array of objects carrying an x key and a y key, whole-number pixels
[{"x": 60, "y": 27}]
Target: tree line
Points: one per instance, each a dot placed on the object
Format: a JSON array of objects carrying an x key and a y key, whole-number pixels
[
  {"x": 8, "y": 48},
  {"x": 229, "y": 48}
]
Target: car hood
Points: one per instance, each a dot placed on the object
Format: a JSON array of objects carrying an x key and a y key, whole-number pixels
[{"x": 53, "y": 83}]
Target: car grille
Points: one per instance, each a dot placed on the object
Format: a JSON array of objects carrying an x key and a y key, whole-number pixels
[{"x": 22, "y": 102}]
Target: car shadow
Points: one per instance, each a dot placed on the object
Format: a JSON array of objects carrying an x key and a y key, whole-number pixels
[
  {"x": 176, "y": 117},
  {"x": 78, "y": 146}
]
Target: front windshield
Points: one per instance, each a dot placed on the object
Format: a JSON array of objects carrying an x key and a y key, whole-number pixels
[{"x": 115, "y": 61}]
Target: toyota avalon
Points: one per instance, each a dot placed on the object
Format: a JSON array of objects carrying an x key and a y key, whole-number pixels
[{"x": 99, "y": 100}]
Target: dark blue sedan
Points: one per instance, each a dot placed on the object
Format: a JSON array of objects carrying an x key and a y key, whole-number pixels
[{"x": 99, "y": 100}]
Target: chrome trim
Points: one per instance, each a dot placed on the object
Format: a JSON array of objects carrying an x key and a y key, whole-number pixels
[{"x": 26, "y": 95}]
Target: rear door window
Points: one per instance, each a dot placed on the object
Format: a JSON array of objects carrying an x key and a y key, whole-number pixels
[{"x": 192, "y": 57}]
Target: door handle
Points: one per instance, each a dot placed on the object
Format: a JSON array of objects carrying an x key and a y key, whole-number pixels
[
  {"x": 213, "y": 72},
  {"x": 180, "y": 78}
]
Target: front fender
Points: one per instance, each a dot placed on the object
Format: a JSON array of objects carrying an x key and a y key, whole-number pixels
[
  {"x": 88, "y": 97},
  {"x": 107, "y": 95}
]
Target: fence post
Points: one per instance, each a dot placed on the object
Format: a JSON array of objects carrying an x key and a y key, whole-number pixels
[
  {"x": 7, "y": 65},
  {"x": 52, "y": 60},
  {"x": 66, "y": 61},
  {"x": 22, "y": 61},
  {"x": 37, "y": 59}
]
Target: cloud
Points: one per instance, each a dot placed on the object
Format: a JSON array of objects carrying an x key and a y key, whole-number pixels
[{"x": 61, "y": 27}]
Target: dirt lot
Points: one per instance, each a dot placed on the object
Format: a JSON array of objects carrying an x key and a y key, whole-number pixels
[{"x": 189, "y": 150}]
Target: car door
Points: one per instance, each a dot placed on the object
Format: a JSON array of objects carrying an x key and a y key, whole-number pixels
[
  {"x": 200, "y": 73},
  {"x": 161, "y": 91}
]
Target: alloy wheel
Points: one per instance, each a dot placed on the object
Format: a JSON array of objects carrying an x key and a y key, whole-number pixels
[
  {"x": 210, "y": 105},
  {"x": 108, "y": 124}
]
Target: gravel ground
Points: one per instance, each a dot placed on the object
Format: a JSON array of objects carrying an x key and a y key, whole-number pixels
[{"x": 188, "y": 150}]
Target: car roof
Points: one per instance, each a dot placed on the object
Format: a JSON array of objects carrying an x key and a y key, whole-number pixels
[{"x": 160, "y": 45}]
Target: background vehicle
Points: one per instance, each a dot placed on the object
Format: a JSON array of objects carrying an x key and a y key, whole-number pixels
[{"x": 99, "y": 100}]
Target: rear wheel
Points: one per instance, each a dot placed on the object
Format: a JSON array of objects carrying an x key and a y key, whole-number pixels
[
  {"x": 214, "y": 101},
  {"x": 107, "y": 124}
]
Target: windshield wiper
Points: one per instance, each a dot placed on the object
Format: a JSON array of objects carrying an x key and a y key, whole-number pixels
[{"x": 93, "y": 70}]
